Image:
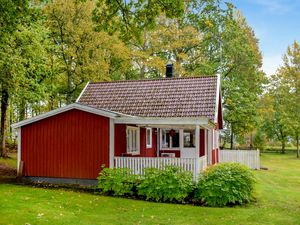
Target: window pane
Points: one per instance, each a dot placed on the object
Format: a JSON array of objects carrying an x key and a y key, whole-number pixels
[
  {"x": 165, "y": 139},
  {"x": 175, "y": 140},
  {"x": 189, "y": 138},
  {"x": 148, "y": 136},
  {"x": 134, "y": 140}
]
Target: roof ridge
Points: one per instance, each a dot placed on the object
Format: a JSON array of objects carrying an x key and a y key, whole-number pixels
[{"x": 155, "y": 79}]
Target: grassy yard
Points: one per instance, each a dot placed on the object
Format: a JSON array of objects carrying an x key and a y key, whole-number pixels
[
  {"x": 11, "y": 161},
  {"x": 277, "y": 193}
]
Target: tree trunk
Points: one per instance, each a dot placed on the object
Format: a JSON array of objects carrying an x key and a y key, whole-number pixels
[
  {"x": 4, "y": 106},
  {"x": 251, "y": 141},
  {"x": 22, "y": 110},
  {"x": 282, "y": 146},
  {"x": 69, "y": 89}
]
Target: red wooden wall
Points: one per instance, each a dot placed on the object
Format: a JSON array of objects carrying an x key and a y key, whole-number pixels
[
  {"x": 73, "y": 144},
  {"x": 121, "y": 142},
  {"x": 202, "y": 142}
]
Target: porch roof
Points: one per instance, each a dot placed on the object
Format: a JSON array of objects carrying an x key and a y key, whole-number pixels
[{"x": 166, "y": 122}]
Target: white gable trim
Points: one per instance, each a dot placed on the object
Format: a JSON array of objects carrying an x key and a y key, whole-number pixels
[
  {"x": 218, "y": 92},
  {"x": 84, "y": 108},
  {"x": 83, "y": 90}
]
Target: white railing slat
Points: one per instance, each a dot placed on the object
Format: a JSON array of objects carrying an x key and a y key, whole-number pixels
[{"x": 138, "y": 164}]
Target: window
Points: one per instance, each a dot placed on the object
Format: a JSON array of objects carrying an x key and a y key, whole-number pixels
[
  {"x": 149, "y": 137},
  {"x": 170, "y": 138},
  {"x": 189, "y": 138},
  {"x": 133, "y": 140}
]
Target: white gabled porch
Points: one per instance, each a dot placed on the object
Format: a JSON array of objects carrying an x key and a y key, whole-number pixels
[{"x": 191, "y": 144}]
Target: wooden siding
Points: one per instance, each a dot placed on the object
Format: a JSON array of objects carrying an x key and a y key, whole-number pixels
[
  {"x": 73, "y": 144},
  {"x": 202, "y": 143},
  {"x": 121, "y": 142},
  {"x": 147, "y": 152}
]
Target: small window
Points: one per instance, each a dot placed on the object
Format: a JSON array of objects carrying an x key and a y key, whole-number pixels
[
  {"x": 149, "y": 137},
  {"x": 189, "y": 138},
  {"x": 133, "y": 140},
  {"x": 170, "y": 138}
]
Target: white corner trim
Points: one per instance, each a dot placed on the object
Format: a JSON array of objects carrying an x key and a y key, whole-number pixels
[
  {"x": 197, "y": 140},
  {"x": 78, "y": 106},
  {"x": 19, "y": 150},
  {"x": 150, "y": 145},
  {"x": 111, "y": 142},
  {"x": 218, "y": 91},
  {"x": 83, "y": 90}
]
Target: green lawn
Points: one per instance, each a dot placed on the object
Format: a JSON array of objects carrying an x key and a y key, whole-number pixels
[
  {"x": 11, "y": 161},
  {"x": 277, "y": 193}
]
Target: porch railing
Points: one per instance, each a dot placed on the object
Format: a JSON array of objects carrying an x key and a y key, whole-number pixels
[
  {"x": 249, "y": 158},
  {"x": 138, "y": 164}
]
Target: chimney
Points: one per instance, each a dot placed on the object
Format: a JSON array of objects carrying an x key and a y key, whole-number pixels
[{"x": 169, "y": 70}]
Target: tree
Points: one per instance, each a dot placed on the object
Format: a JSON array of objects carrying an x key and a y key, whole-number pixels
[
  {"x": 242, "y": 76},
  {"x": 169, "y": 41},
  {"x": 273, "y": 108},
  {"x": 132, "y": 17},
  {"x": 13, "y": 14},
  {"x": 82, "y": 54},
  {"x": 290, "y": 78}
]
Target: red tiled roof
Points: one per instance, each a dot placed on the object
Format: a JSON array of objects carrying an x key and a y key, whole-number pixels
[{"x": 169, "y": 97}]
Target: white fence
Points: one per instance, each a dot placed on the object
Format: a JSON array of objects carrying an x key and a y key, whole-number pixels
[
  {"x": 249, "y": 158},
  {"x": 138, "y": 164}
]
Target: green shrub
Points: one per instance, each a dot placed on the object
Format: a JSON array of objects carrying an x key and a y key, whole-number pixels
[
  {"x": 168, "y": 184},
  {"x": 225, "y": 184},
  {"x": 117, "y": 182}
]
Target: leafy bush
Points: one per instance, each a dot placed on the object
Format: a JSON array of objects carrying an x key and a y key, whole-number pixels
[
  {"x": 117, "y": 182},
  {"x": 224, "y": 184},
  {"x": 168, "y": 184}
]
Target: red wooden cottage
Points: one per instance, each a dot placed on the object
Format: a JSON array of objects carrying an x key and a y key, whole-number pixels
[{"x": 133, "y": 124}]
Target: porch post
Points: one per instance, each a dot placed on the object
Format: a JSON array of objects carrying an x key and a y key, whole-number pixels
[
  {"x": 181, "y": 140},
  {"x": 209, "y": 147},
  {"x": 111, "y": 143},
  {"x": 197, "y": 152},
  {"x": 197, "y": 141}
]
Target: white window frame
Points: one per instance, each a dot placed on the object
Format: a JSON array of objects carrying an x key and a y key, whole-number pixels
[
  {"x": 129, "y": 147},
  {"x": 162, "y": 147},
  {"x": 150, "y": 137}
]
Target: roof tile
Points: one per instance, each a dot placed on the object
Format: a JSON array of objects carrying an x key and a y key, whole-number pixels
[{"x": 170, "y": 97}]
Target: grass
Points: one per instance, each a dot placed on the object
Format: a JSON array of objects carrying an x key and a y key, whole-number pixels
[
  {"x": 11, "y": 161},
  {"x": 277, "y": 194}
]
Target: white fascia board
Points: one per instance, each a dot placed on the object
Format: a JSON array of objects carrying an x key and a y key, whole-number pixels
[
  {"x": 152, "y": 121},
  {"x": 83, "y": 90},
  {"x": 111, "y": 143},
  {"x": 78, "y": 106},
  {"x": 218, "y": 92},
  {"x": 19, "y": 149}
]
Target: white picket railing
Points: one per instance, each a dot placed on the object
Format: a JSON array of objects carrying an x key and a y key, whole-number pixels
[
  {"x": 249, "y": 158},
  {"x": 138, "y": 164}
]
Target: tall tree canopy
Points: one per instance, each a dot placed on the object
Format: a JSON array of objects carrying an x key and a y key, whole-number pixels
[
  {"x": 82, "y": 54},
  {"x": 50, "y": 49}
]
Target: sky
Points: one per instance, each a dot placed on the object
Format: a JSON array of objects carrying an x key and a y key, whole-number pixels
[{"x": 276, "y": 24}]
